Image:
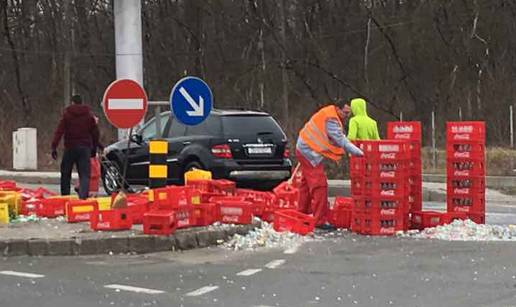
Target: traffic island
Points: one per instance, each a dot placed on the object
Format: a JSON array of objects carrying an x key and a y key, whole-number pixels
[{"x": 57, "y": 238}]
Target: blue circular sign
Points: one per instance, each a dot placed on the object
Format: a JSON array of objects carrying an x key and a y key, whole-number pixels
[{"x": 191, "y": 100}]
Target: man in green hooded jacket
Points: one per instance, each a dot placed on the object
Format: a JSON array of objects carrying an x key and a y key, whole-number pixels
[{"x": 361, "y": 126}]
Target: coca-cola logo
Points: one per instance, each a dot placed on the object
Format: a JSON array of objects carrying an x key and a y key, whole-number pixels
[
  {"x": 466, "y": 154},
  {"x": 461, "y": 173},
  {"x": 387, "y": 230},
  {"x": 59, "y": 212},
  {"x": 387, "y": 174},
  {"x": 83, "y": 216},
  {"x": 461, "y": 209},
  {"x": 389, "y": 148},
  {"x": 402, "y": 136},
  {"x": 184, "y": 222},
  {"x": 403, "y": 128},
  {"x": 387, "y": 193},
  {"x": 104, "y": 225},
  {"x": 231, "y": 211},
  {"x": 388, "y": 156},
  {"x": 462, "y": 129},
  {"x": 461, "y": 137},
  {"x": 461, "y": 191},
  {"x": 230, "y": 218},
  {"x": 387, "y": 211}
]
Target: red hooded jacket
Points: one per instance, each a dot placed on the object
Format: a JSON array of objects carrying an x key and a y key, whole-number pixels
[{"x": 78, "y": 126}]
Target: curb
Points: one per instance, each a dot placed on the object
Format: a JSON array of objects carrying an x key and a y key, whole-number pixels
[{"x": 139, "y": 244}]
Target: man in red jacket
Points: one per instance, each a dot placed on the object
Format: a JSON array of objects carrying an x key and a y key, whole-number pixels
[{"x": 81, "y": 134}]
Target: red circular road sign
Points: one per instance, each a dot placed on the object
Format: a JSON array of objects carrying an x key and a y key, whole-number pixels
[{"x": 124, "y": 103}]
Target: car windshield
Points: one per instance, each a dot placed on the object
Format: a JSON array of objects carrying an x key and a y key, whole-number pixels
[{"x": 250, "y": 125}]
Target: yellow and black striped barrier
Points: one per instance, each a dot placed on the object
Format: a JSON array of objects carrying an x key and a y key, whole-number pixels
[{"x": 158, "y": 163}]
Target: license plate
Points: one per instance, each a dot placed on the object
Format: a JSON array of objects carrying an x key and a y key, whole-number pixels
[{"x": 259, "y": 150}]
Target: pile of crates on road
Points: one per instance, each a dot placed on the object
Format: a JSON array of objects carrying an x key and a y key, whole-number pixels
[{"x": 380, "y": 188}]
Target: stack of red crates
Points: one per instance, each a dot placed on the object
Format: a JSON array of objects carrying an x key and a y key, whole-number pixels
[
  {"x": 379, "y": 187},
  {"x": 465, "y": 169},
  {"x": 411, "y": 133}
]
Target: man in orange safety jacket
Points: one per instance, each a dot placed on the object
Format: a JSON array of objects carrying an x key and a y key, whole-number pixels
[{"x": 321, "y": 137}]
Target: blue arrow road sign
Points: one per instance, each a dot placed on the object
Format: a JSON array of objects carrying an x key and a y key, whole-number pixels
[{"x": 191, "y": 100}]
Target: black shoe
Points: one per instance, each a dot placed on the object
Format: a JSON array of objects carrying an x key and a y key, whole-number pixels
[{"x": 326, "y": 227}]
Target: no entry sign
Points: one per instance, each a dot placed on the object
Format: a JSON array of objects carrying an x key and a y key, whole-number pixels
[{"x": 124, "y": 103}]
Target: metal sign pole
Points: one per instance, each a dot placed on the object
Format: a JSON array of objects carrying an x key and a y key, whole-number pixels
[
  {"x": 511, "y": 125},
  {"x": 434, "y": 149}
]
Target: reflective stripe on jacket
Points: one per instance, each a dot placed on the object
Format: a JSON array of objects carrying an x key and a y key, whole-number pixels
[{"x": 315, "y": 135}]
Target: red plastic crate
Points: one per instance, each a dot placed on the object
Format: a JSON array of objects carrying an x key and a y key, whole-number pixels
[
  {"x": 449, "y": 217},
  {"x": 343, "y": 202},
  {"x": 361, "y": 167},
  {"x": 51, "y": 207},
  {"x": 204, "y": 214},
  {"x": 172, "y": 197},
  {"x": 384, "y": 149},
  {"x": 235, "y": 211},
  {"x": 384, "y": 206},
  {"x": 379, "y": 225},
  {"x": 293, "y": 221},
  {"x": 465, "y": 186},
  {"x": 465, "y": 168},
  {"x": 137, "y": 210},
  {"x": 7, "y": 185},
  {"x": 393, "y": 187},
  {"x": 465, "y": 131},
  {"x": 465, "y": 151},
  {"x": 477, "y": 217},
  {"x": 287, "y": 196},
  {"x": 340, "y": 217},
  {"x": 410, "y": 131},
  {"x": 160, "y": 222},
  {"x": 468, "y": 203},
  {"x": 29, "y": 207},
  {"x": 223, "y": 186},
  {"x": 426, "y": 219},
  {"x": 110, "y": 220},
  {"x": 204, "y": 186},
  {"x": 205, "y": 197},
  {"x": 184, "y": 216},
  {"x": 415, "y": 201},
  {"x": 80, "y": 210}
]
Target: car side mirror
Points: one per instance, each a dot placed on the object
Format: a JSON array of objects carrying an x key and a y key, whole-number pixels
[{"x": 136, "y": 138}]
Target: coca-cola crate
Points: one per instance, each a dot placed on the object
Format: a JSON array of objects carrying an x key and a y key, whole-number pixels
[
  {"x": 293, "y": 221},
  {"x": 426, "y": 219},
  {"x": 465, "y": 186},
  {"x": 465, "y": 131},
  {"x": 28, "y": 207},
  {"x": 80, "y": 210},
  {"x": 415, "y": 201},
  {"x": 465, "y": 168},
  {"x": 361, "y": 167},
  {"x": 205, "y": 214},
  {"x": 223, "y": 186},
  {"x": 466, "y": 203},
  {"x": 205, "y": 197},
  {"x": 287, "y": 196},
  {"x": 375, "y": 224},
  {"x": 384, "y": 150},
  {"x": 397, "y": 187},
  {"x": 465, "y": 150},
  {"x": 172, "y": 197},
  {"x": 343, "y": 202},
  {"x": 340, "y": 217},
  {"x": 50, "y": 207},
  {"x": 184, "y": 216},
  {"x": 414, "y": 166},
  {"x": 386, "y": 206},
  {"x": 235, "y": 211},
  {"x": 110, "y": 220},
  {"x": 203, "y": 185},
  {"x": 159, "y": 222},
  {"x": 477, "y": 217},
  {"x": 409, "y": 131},
  {"x": 356, "y": 221},
  {"x": 137, "y": 210}
]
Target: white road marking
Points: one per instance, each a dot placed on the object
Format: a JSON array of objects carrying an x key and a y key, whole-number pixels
[
  {"x": 248, "y": 272},
  {"x": 21, "y": 274},
  {"x": 202, "y": 290},
  {"x": 275, "y": 263},
  {"x": 291, "y": 250},
  {"x": 134, "y": 289},
  {"x": 125, "y": 104}
]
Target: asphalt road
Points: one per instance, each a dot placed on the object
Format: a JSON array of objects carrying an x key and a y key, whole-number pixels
[{"x": 345, "y": 271}]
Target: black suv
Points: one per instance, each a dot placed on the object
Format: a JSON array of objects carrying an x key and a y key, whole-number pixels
[{"x": 244, "y": 146}]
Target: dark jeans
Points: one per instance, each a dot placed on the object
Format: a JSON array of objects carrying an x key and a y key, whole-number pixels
[{"x": 80, "y": 156}]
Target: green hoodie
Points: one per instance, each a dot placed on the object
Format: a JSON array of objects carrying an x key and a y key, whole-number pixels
[{"x": 361, "y": 126}]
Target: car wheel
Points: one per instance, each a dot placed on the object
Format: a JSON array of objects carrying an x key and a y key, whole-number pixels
[
  {"x": 193, "y": 165},
  {"x": 111, "y": 178}
]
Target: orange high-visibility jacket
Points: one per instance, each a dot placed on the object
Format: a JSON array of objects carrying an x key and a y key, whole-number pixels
[{"x": 314, "y": 133}]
